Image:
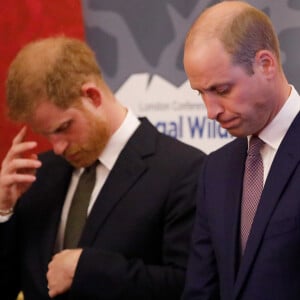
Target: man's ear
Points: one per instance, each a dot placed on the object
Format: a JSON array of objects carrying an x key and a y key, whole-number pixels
[
  {"x": 266, "y": 62},
  {"x": 92, "y": 92}
]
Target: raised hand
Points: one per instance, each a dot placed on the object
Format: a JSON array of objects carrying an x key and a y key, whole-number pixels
[{"x": 17, "y": 170}]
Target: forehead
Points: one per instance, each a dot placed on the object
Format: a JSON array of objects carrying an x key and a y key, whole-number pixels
[
  {"x": 48, "y": 116},
  {"x": 207, "y": 63}
]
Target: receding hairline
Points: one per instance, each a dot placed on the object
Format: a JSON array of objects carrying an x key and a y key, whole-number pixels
[{"x": 213, "y": 19}]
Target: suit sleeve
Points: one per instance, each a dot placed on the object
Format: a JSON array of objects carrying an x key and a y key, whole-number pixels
[
  {"x": 202, "y": 275},
  {"x": 9, "y": 269},
  {"x": 106, "y": 275}
]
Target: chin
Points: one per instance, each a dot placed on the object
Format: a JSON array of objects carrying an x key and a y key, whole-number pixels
[
  {"x": 80, "y": 163},
  {"x": 237, "y": 133}
]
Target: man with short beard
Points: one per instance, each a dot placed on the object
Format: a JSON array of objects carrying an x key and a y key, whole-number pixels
[{"x": 134, "y": 242}]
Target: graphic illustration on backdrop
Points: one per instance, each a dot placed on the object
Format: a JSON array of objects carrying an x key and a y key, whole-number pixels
[{"x": 139, "y": 45}]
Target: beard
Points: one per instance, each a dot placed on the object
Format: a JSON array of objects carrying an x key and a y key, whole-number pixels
[{"x": 86, "y": 153}]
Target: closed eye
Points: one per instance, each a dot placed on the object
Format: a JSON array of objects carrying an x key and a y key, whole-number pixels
[
  {"x": 63, "y": 127},
  {"x": 222, "y": 89}
]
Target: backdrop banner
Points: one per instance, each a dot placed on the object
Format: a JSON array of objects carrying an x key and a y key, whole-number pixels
[{"x": 139, "y": 45}]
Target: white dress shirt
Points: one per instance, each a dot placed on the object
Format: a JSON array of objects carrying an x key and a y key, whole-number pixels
[
  {"x": 107, "y": 160},
  {"x": 274, "y": 133}
]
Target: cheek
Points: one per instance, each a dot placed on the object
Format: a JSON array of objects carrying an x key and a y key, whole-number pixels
[
  {"x": 243, "y": 102},
  {"x": 79, "y": 133}
]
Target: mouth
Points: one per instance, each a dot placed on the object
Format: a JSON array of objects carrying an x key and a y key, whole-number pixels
[
  {"x": 72, "y": 156},
  {"x": 230, "y": 123}
]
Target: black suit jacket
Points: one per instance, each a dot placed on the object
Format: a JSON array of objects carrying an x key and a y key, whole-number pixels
[
  {"x": 270, "y": 267},
  {"x": 136, "y": 237}
]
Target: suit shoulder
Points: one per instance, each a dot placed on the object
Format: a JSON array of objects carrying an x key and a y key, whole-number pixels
[
  {"x": 168, "y": 141},
  {"x": 50, "y": 157},
  {"x": 236, "y": 145},
  {"x": 51, "y": 161},
  {"x": 178, "y": 147}
]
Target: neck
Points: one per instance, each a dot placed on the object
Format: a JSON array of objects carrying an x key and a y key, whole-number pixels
[{"x": 117, "y": 114}]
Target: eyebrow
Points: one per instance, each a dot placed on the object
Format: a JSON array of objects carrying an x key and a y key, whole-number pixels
[
  {"x": 62, "y": 126},
  {"x": 217, "y": 86},
  {"x": 55, "y": 130}
]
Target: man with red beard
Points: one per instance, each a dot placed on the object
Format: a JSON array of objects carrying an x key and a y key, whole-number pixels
[{"x": 134, "y": 243}]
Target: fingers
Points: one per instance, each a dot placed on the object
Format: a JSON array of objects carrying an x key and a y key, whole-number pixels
[
  {"x": 15, "y": 168},
  {"x": 55, "y": 276},
  {"x": 19, "y": 146},
  {"x": 21, "y": 164},
  {"x": 17, "y": 178},
  {"x": 61, "y": 270},
  {"x": 18, "y": 169},
  {"x": 20, "y": 136},
  {"x": 18, "y": 150}
]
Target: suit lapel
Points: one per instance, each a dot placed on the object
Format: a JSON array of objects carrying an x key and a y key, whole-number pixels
[
  {"x": 129, "y": 167},
  {"x": 285, "y": 161},
  {"x": 54, "y": 193},
  {"x": 232, "y": 206}
]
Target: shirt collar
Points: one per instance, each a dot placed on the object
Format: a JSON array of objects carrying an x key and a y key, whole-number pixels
[
  {"x": 118, "y": 140},
  {"x": 274, "y": 133}
]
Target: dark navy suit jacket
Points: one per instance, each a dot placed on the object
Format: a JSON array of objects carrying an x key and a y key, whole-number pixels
[
  {"x": 136, "y": 237},
  {"x": 270, "y": 267}
]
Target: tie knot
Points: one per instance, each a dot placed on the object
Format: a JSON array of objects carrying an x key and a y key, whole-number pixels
[
  {"x": 255, "y": 145},
  {"x": 89, "y": 173},
  {"x": 92, "y": 167}
]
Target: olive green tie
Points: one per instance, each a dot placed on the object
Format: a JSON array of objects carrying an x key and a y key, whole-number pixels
[{"x": 78, "y": 211}]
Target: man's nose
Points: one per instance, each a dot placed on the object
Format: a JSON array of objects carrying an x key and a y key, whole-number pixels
[
  {"x": 213, "y": 105},
  {"x": 59, "y": 145}
]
